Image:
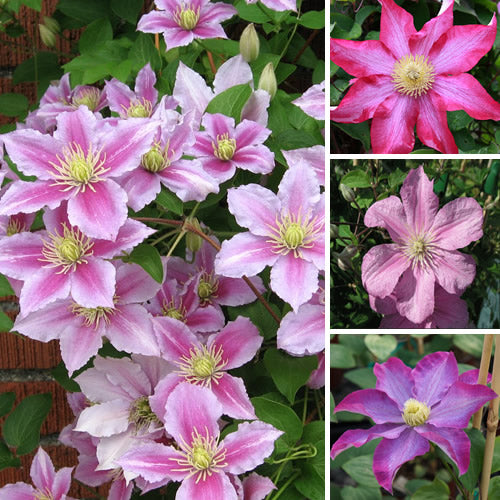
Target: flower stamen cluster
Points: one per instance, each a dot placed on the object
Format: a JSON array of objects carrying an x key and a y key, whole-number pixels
[
  {"x": 171, "y": 310},
  {"x": 187, "y": 18},
  {"x": 88, "y": 96},
  {"x": 141, "y": 414},
  {"x": 77, "y": 169},
  {"x": 203, "y": 365},
  {"x": 156, "y": 159},
  {"x": 225, "y": 148},
  {"x": 93, "y": 315},
  {"x": 207, "y": 287},
  {"x": 415, "y": 412},
  {"x": 43, "y": 495},
  {"x": 139, "y": 108},
  {"x": 15, "y": 226},
  {"x": 419, "y": 249},
  {"x": 413, "y": 75}
]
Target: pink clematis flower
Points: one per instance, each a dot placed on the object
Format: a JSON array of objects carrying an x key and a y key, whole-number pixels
[
  {"x": 313, "y": 156},
  {"x": 410, "y": 77},
  {"x": 286, "y": 232},
  {"x": 77, "y": 164},
  {"x": 201, "y": 461},
  {"x": 207, "y": 363},
  {"x": 222, "y": 147},
  {"x": 182, "y": 21},
  {"x": 278, "y": 5},
  {"x": 411, "y": 408},
  {"x": 424, "y": 250},
  {"x": 62, "y": 261},
  {"x": 312, "y": 102},
  {"x": 48, "y": 482}
]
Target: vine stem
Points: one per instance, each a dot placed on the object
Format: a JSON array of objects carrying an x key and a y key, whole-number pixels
[
  {"x": 483, "y": 374},
  {"x": 290, "y": 480},
  {"x": 491, "y": 425}
]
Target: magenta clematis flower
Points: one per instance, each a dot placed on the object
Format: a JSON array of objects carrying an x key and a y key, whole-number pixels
[
  {"x": 207, "y": 364},
  {"x": 62, "y": 261},
  {"x": 424, "y": 249},
  {"x": 201, "y": 461},
  {"x": 411, "y": 408},
  {"x": 80, "y": 330},
  {"x": 286, "y": 232},
  {"x": 410, "y": 77},
  {"x": 312, "y": 102},
  {"x": 182, "y": 21},
  {"x": 48, "y": 483},
  {"x": 77, "y": 164},
  {"x": 222, "y": 147}
]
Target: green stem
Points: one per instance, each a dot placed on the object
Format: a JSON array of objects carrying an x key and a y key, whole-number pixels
[
  {"x": 464, "y": 492},
  {"x": 290, "y": 480},
  {"x": 304, "y": 411}
]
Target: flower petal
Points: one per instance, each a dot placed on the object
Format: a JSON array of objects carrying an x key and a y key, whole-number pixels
[
  {"x": 256, "y": 487},
  {"x": 93, "y": 283},
  {"x": 235, "y": 71},
  {"x": 20, "y": 254},
  {"x": 212, "y": 486},
  {"x": 396, "y": 27},
  {"x": 454, "y": 271},
  {"x": 78, "y": 343},
  {"x": 389, "y": 214},
  {"x": 393, "y": 378},
  {"x": 104, "y": 419},
  {"x": 174, "y": 338},
  {"x": 233, "y": 397},
  {"x": 144, "y": 84},
  {"x": 42, "y": 471}
]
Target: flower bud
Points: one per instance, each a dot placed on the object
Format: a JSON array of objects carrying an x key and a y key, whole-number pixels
[
  {"x": 51, "y": 24},
  {"x": 249, "y": 43},
  {"x": 347, "y": 193},
  {"x": 47, "y": 36},
  {"x": 193, "y": 241},
  {"x": 334, "y": 231},
  {"x": 349, "y": 251},
  {"x": 267, "y": 80}
]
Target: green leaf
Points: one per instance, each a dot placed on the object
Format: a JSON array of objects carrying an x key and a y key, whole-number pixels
[
  {"x": 127, "y": 9},
  {"x": 458, "y": 120},
  {"x": 360, "y": 469},
  {"x": 333, "y": 417},
  {"x": 60, "y": 374},
  {"x": 438, "y": 490},
  {"x": 360, "y": 493},
  {"x": 149, "y": 259},
  {"x": 341, "y": 356},
  {"x": 230, "y": 102},
  {"x": 471, "y": 477},
  {"x": 495, "y": 466},
  {"x": 96, "y": 33},
  {"x": 5, "y": 288},
  {"x": 85, "y": 12},
  {"x": 494, "y": 487},
  {"x": 396, "y": 178},
  {"x": 6, "y": 401},
  {"x": 259, "y": 316},
  {"x": 356, "y": 179},
  {"x": 7, "y": 459},
  {"x": 279, "y": 415},
  {"x": 472, "y": 344},
  {"x": 169, "y": 200},
  {"x": 381, "y": 346},
  {"x": 360, "y": 131},
  {"x": 363, "y": 377},
  {"x": 5, "y": 322},
  {"x": 311, "y": 482},
  {"x": 313, "y": 19},
  {"x": 32, "y": 4},
  {"x": 289, "y": 373},
  {"x": 144, "y": 51},
  {"x": 44, "y": 66},
  {"x": 21, "y": 429},
  {"x": 12, "y": 104}
]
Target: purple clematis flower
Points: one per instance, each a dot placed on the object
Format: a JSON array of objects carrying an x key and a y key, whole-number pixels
[
  {"x": 286, "y": 232},
  {"x": 48, "y": 482},
  {"x": 62, "y": 261},
  {"x": 80, "y": 330},
  {"x": 77, "y": 164},
  {"x": 182, "y": 21},
  {"x": 207, "y": 363},
  {"x": 411, "y": 408},
  {"x": 424, "y": 250},
  {"x": 201, "y": 461}
]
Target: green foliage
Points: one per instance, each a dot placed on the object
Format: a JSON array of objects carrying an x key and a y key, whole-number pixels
[
  {"x": 230, "y": 102},
  {"x": 149, "y": 259},
  {"x": 12, "y": 104}
]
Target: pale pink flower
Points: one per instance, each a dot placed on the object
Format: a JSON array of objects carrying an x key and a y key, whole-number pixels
[
  {"x": 278, "y": 5},
  {"x": 312, "y": 101},
  {"x": 313, "y": 156}
]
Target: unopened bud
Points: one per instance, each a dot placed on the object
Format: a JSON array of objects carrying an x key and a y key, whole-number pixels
[
  {"x": 47, "y": 36},
  {"x": 249, "y": 43},
  {"x": 52, "y": 24},
  {"x": 193, "y": 241},
  {"x": 334, "y": 231},
  {"x": 347, "y": 193},
  {"x": 267, "y": 80},
  {"x": 349, "y": 251}
]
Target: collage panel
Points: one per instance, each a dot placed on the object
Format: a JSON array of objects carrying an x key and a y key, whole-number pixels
[{"x": 414, "y": 416}]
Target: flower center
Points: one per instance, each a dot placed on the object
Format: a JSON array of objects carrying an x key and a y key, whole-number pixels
[
  {"x": 141, "y": 414},
  {"x": 140, "y": 109},
  {"x": 415, "y": 412},
  {"x": 15, "y": 226},
  {"x": 66, "y": 251},
  {"x": 92, "y": 316},
  {"x": 293, "y": 232},
  {"x": 203, "y": 365},
  {"x": 202, "y": 457},
  {"x": 87, "y": 96},
  {"x": 156, "y": 159},
  {"x": 43, "y": 495},
  {"x": 77, "y": 169},
  {"x": 172, "y": 310},
  {"x": 187, "y": 18},
  {"x": 413, "y": 75},
  {"x": 419, "y": 248},
  {"x": 207, "y": 288},
  {"x": 225, "y": 148}
]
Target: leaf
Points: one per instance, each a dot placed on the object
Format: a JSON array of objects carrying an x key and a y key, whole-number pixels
[
  {"x": 144, "y": 51},
  {"x": 472, "y": 344},
  {"x": 437, "y": 490},
  {"x": 360, "y": 493},
  {"x": 360, "y": 469},
  {"x": 21, "y": 429},
  {"x": 6, "y": 402},
  {"x": 363, "y": 377},
  {"x": 341, "y": 356},
  {"x": 471, "y": 477},
  {"x": 289, "y": 373},
  {"x": 495, "y": 466},
  {"x": 85, "y": 12},
  {"x": 149, "y": 259},
  {"x": 5, "y": 288},
  {"x": 60, "y": 374},
  {"x": 259, "y": 316},
  {"x": 494, "y": 487},
  {"x": 356, "y": 179},
  {"x": 458, "y": 120},
  {"x": 127, "y": 9},
  {"x": 7, "y": 459},
  {"x": 381, "y": 346},
  {"x": 45, "y": 66},
  {"x": 170, "y": 201},
  {"x": 96, "y": 33},
  {"x": 12, "y": 104},
  {"x": 313, "y": 19},
  {"x": 360, "y": 131},
  {"x": 32, "y": 4},
  {"x": 333, "y": 417},
  {"x": 230, "y": 102},
  {"x": 5, "y": 322}
]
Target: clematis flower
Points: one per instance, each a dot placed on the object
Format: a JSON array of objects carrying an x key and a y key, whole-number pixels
[
  {"x": 286, "y": 232},
  {"x": 77, "y": 164},
  {"x": 278, "y": 5},
  {"x": 424, "y": 250},
  {"x": 48, "y": 482},
  {"x": 410, "y": 77},
  {"x": 182, "y": 21},
  {"x": 222, "y": 147},
  {"x": 62, "y": 261},
  {"x": 201, "y": 460},
  {"x": 411, "y": 408},
  {"x": 313, "y": 156},
  {"x": 207, "y": 363}
]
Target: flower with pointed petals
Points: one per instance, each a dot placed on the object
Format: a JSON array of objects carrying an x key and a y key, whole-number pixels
[
  {"x": 78, "y": 164},
  {"x": 49, "y": 484},
  {"x": 222, "y": 147},
  {"x": 181, "y": 21},
  {"x": 206, "y": 364},
  {"x": 425, "y": 245},
  {"x": 411, "y": 408},
  {"x": 201, "y": 460},
  {"x": 286, "y": 232},
  {"x": 410, "y": 77},
  {"x": 62, "y": 261}
]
